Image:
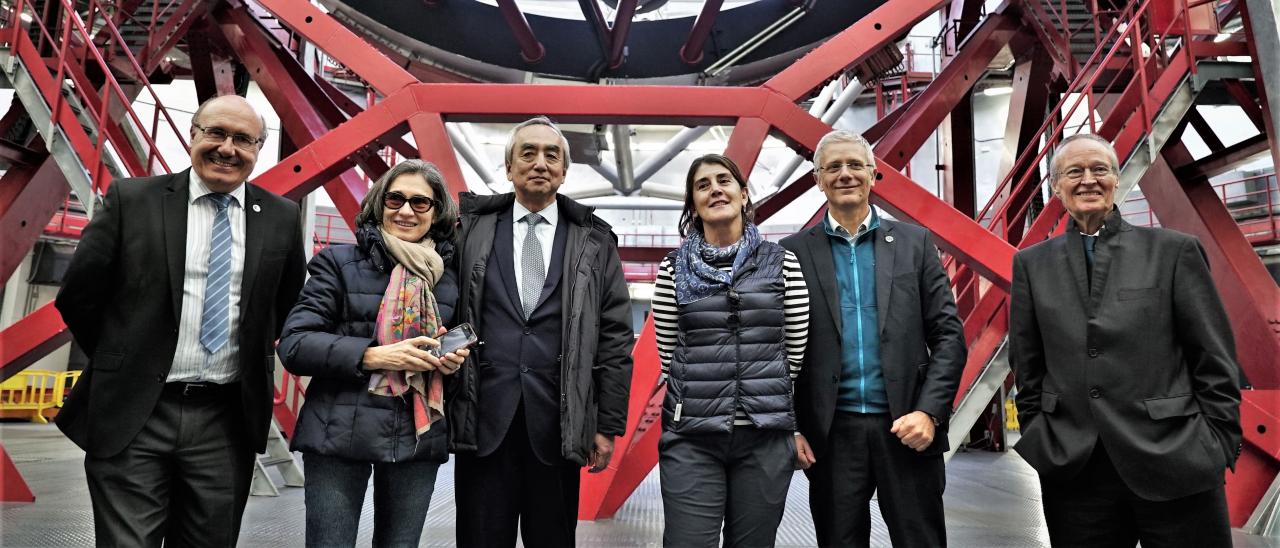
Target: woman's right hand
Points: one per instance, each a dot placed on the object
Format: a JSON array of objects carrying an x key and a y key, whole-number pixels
[{"x": 406, "y": 355}]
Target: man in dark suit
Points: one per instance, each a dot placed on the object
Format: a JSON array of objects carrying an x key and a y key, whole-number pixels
[
  {"x": 873, "y": 415},
  {"x": 177, "y": 291},
  {"x": 1128, "y": 393},
  {"x": 540, "y": 279}
]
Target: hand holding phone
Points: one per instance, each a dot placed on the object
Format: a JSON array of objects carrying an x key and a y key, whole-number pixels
[{"x": 461, "y": 336}]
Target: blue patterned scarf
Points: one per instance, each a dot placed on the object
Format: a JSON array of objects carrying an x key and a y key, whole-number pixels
[{"x": 697, "y": 277}]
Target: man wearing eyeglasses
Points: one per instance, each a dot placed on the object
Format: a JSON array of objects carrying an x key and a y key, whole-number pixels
[
  {"x": 540, "y": 279},
  {"x": 1128, "y": 386},
  {"x": 882, "y": 365},
  {"x": 177, "y": 291}
]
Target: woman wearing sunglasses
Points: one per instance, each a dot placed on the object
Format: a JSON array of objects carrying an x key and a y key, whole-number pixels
[
  {"x": 731, "y": 315},
  {"x": 362, "y": 330}
]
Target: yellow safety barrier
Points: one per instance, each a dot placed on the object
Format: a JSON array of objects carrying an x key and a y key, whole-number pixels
[
  {"x": 32, "y": 393},
  {"x": 1010, "y": 415}
]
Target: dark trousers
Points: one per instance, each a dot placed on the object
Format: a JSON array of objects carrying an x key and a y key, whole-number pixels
[
  {"x": 511, "y": 487},
  {"x": 738, "y": 480},
  {"x": 335, "y": 496},
  {"x": 184, "y": 479},
  {"x": 861, "y": 457},
  {"x": 1097, "y": 509}
]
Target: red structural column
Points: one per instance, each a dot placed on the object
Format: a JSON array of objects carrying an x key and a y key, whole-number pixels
[{"x": 29, "y": 196}]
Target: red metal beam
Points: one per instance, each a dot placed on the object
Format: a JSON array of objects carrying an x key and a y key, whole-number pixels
[
  {"x": 1225, "y": 159},
  {"x": 1027, "y": 107},
  {"x": 17, "y": 155},
  {"x": 950, "y": 87},
  {"x": 29, "y": 196},
  {"x": 1204, "y": 130},
  {"x": 621, "y": 30},
  {"x": 636, "y": 451},
  {"x": 213, "y": 74},
  {"x": 691, "y": 51},
  {"x": 1248, "y": 291},
  {"x": 1248, "y": 101},
  {"x": 435, "y": 147},
  {"x": 350, "y": 108},
  {"x": 340, "y": 43},
  {"x": 305, "y": 110},
  {"x": 31, "y": 338},
  {"x": 531, "y": 50},
  {"x": 851, "y": 47},
  {"x": 1263, "y": 80},
  {"x": 745, "y": 143},
  {"x": 1258, "y": 462}
]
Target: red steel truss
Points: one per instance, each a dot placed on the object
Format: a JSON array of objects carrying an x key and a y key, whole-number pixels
[{"x": 1122, "y": 93}]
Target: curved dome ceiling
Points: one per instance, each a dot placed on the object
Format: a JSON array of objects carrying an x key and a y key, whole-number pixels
[{"x": 472, "y": 40}]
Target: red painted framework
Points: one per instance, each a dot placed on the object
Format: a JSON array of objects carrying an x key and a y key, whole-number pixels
[{"x": 328, "y": 155}]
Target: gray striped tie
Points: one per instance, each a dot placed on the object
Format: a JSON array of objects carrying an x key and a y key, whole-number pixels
[
  {"x": 216, "y": 319},
  {"x": 532, "y": 271}
]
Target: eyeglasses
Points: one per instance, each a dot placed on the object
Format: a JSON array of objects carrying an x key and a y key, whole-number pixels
[
  {"x": 835, "y": 167},
  {"x": 420, "y": 204},
  {"x": 240, "y": 140},
  {"x": 1077, "y": 173}
]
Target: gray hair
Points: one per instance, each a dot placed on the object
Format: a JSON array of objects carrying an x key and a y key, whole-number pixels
[
  {"x": 1111, "y": 151},
  {"x": 195, "y": 118},
  {"x": 442, "y": 228},
  {"x": 842, "y": 136},
  {"x": 536, "y": 121}
]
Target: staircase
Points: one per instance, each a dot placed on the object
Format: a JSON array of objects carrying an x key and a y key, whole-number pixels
[{"x": 1153, "y": 97}]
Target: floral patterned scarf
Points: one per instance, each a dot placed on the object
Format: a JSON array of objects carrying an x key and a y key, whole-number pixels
[{"x": 409, "y": 310}]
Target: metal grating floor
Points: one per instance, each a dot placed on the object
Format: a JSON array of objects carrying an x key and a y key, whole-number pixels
[{"x": 992, "y": 500}]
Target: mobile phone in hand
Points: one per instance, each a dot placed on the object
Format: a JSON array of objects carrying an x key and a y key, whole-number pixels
[{"x": 455, "y": 339}]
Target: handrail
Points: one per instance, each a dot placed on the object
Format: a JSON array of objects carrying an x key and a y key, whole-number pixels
[
  {"x": 79, "y": 45},
  {"x": 1084, "y": 90}
]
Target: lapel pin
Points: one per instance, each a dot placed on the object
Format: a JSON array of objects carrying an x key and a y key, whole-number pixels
[
  {"x": 886, "y": 238},
  {"x": 257, "y": 208}
]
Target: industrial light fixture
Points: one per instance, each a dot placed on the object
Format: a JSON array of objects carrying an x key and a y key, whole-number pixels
[{"x": 996, "y": 91}]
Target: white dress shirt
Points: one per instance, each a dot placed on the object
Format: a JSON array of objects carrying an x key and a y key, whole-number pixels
[
  {"x": 191, "y": 362},
  {"x": 546, "y": 236}
]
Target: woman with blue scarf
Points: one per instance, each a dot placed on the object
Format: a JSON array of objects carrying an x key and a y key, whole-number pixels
[{"x": 731, "y": 315}]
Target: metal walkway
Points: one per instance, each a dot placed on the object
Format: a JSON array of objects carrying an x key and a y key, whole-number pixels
[{"x": 992, "y": 500}]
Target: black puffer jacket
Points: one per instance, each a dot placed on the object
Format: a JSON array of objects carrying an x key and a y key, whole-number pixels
[
  {"x": 720, "y": 366},
  {"x": 325, "y": 337}
]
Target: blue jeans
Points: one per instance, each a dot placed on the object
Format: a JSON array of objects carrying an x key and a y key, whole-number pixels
[{"x": 335, "y": 491}]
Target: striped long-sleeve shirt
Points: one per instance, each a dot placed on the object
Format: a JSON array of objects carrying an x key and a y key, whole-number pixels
[{"x": 795, "y": 303}]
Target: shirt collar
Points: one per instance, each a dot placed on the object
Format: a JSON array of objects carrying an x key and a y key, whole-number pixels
[
  {"x": 1096, "y": 232},
  {"x": 550, "y": 214},
  {"x": 837, "y": 228},
  {"x": 197, "y": 189}
]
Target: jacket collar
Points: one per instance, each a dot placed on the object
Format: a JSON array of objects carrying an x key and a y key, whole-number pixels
[{"x": 1113, "y": 223}]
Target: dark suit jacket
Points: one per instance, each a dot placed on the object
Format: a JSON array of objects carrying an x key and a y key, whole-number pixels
[
  {"x": 922, "y": 350},
  {"x": 1144, "y": 361},
  {"x": 122, "y": 297},
  {"x": 521, "y": 364}
]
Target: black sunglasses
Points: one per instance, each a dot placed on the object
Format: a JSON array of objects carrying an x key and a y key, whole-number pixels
[{"x": 420, "y": 204}]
